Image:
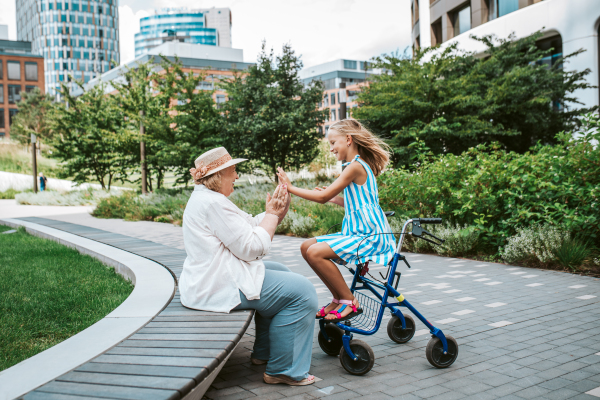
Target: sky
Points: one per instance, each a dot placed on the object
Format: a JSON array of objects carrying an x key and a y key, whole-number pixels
[{"x": 318, "y": 30}]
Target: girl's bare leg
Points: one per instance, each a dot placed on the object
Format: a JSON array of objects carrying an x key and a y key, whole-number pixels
[
  {"x": 319, "y": 257},
  {"x": 304, "y": 249}
]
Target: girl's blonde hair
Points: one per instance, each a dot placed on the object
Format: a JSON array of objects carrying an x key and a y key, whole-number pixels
[{"x": 371, "y": 149}]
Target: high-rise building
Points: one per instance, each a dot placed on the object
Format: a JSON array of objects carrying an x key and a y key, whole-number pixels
[
  {"x": 199, "y": 26},
  {"x": 79, "y": 39},
  {"x": 19, "y": 71},
  {"x": 567, "y": 26},
  {"x": 354, "y": 73}
]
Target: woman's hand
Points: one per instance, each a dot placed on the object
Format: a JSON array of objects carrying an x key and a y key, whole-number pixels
[
  {"x": 335, "y": 199},
  {"x": 278, "y": 204},
  {"x": 283, "y": 178}
]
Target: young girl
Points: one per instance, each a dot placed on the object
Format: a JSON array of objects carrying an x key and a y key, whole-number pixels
[{"x": 349, "y": 140}]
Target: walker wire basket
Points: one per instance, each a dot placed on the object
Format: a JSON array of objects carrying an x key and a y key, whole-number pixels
[{"x": 370, "y": 306}]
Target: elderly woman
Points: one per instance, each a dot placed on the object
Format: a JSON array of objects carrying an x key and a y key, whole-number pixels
[{"x": 224, "y": 270}]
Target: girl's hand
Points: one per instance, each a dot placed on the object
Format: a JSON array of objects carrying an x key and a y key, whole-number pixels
[{"x": 283, "y": 178}]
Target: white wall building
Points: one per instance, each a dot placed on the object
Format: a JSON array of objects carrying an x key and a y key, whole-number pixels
[{"x": 572, "y": 23}]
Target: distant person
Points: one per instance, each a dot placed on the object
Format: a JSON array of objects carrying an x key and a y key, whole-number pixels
[{"x": 43, "y": 181}]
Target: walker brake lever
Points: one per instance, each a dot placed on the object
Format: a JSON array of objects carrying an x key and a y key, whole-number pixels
[
  {"x": 428, "y": 240},
  {"x": 433, "y": 236}
]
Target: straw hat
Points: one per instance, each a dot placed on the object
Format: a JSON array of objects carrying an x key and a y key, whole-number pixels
[{"x": 213, "y": 161}]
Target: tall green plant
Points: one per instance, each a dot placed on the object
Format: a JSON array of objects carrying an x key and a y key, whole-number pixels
[
  {"x": 33, "y": 117},
  {"x": 500, "y": 191},
  {"x": 453, "y": 100},
  {"x": 143, "y": 103},
  {"x": 271, "y": 117},
  {"x": 89, "y": 137},
  {"x": 195, "y": 122}
]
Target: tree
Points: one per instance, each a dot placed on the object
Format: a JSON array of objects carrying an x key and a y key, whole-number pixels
[
  {"x": 453, "y": 100},
  {"x": 89, "y": 136},
  {"x": 270, "y": 116},
  {"x": 33, "y": 117},
  {"x": 195, "y": 121},
  {"x": 137, "y": 92}
]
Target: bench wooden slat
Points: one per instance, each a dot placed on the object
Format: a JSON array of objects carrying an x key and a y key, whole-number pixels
[
  {"x": 168, "y": 352},
  {"x": 186, "y": 336},
  {"x": 196, "y": 373},
  {"x": 154, "y": 382},
  {"x": 168, "y": 331},
  {"x": 110, "y": 391},
  {"x": 208, "y": 363},
  {"x": 55, "y": 396},
  {"x": 180, "y": 344}
]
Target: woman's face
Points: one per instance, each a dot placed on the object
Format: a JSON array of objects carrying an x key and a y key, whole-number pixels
[
  {"x": 228, "y": 178},
  {"x": 338, "y": 145}
]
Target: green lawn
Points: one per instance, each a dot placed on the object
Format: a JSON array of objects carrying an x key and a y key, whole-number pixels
[{"x": 48, "y": 293}]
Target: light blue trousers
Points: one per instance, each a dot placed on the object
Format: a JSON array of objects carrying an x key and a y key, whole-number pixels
[{"x": 285, "y": 321}]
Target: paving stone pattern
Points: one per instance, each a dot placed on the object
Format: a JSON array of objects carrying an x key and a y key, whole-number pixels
[{"x": 522, "y": 333}]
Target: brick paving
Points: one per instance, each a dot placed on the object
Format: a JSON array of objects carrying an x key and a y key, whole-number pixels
[{"x": 523, "y": 334}]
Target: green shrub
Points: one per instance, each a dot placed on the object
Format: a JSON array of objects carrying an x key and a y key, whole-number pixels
[
  {"x": 572, "y": 253},
  {"x": 8, "y": 194},
  {"x": 501, "y": 192},
  {"x": 539, "y": 242},
  {"x": 73, "y": 198}
]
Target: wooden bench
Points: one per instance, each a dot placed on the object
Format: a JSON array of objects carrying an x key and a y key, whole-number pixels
[{"x": 175, "y": 356}]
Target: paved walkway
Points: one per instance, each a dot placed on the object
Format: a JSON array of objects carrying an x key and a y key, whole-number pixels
[{"x": 523, "y": 333}]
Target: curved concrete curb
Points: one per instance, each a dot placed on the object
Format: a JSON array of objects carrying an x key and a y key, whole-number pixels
[{"x": 154, "y": 289}]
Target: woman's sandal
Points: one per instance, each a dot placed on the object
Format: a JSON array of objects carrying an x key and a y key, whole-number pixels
[
  {"x": 322, "y": 313},
  {"x": 274, "y": 379},
  {"x": 338, "y": 313}
]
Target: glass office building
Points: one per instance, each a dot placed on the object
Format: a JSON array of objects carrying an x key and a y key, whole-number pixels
[
  {"x": 79, "y": 39},
  {"x": 180, "y": 26}
]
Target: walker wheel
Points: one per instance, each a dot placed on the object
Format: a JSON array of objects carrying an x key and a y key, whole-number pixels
[
  {"x": 435, "y": 352},
  {"x": 332, "y": 347},
  {"x": 395, "y": 331},
  {"x": 365, "y": 356}
]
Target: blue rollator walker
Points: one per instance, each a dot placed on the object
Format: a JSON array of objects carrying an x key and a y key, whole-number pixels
[{"x": 357, "y": 356}]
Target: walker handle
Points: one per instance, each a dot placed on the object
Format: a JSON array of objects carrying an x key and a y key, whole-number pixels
[{"x": 428, "y": 220}]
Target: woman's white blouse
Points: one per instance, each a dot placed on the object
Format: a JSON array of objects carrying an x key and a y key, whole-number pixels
[{"x": 224, "y": 247}]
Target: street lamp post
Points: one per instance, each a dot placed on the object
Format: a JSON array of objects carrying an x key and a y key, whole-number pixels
[
  {"x": 342, "y": 100},
  {"x": 34, "y": 162}
]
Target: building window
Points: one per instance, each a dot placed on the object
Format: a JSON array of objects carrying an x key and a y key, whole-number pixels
[
  {"x": 332, "y": 99},
  {"x": 554, "y": 44},
  {"x": 499, "y": 8},
  {"x": 14, "y": 70},
  {"x": 2, "y": 118},
  {"x": 30, "y": 88},
  {"x": 31, "y": 71},
  {"x": 333, "y": 115},
  {"x": 364, "y": 65},
  {"x": 348, "y": 64},
  {"x": 14, "y": 94},
  {"x": 436, "y": 33},
  {"x": 462, "y": 20},
  {"x": 11, "y": 115},
  {"x": 415, "y": 12},
  {"x": 1, "y": 94},
  {"x": 1, "y": 70}
]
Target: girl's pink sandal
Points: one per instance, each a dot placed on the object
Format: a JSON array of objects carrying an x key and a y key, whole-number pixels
[
  {"x": 322, "y": 313},
  {"x": 338, "y": 313}
]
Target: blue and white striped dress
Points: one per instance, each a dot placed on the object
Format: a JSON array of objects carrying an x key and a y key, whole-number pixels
[{"x": 363, "y": 217}]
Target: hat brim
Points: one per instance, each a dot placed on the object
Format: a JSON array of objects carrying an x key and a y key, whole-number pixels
[{"x": 226, "y": 165}]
